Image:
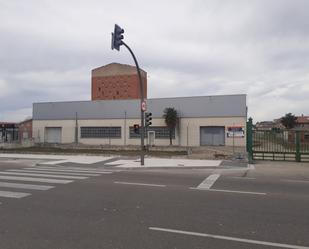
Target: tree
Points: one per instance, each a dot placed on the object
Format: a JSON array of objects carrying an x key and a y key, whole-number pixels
[
  {"x": 171, "y": 119},
  {"x": 289, "y": 120}
]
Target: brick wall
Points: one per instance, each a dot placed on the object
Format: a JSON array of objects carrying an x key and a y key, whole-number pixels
[
  {"x": 25, "y": 130},
  {"x": 117, "y": 81},
  {"x": 117, "y": 87}
]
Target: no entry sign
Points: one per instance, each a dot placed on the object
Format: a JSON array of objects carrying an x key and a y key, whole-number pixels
[{"x": 144, "y": 106}]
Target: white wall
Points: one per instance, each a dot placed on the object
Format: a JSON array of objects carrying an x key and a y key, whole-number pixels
[
  {"x": 67, "y": 126},
  {"x": 189, "y": 130}
]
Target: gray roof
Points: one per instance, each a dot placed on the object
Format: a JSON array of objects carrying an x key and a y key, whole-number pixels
[{"x": 202, "y": 106}]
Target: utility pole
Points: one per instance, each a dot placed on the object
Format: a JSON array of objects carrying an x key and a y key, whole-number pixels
[
  {"x": 76, "y": 129},
  {"x": 117, "y": 41}
]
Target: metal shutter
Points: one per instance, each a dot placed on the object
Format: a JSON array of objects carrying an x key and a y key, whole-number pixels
[
  {"x": 53, "y": 134},
  {"x": 212, "y": 135}
]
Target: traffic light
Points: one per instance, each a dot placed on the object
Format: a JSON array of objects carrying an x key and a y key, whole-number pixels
[
  {"x": 117, "y": 37},
  {"x": 136, "y": 128},
  {"x": 148, "y": 118}
]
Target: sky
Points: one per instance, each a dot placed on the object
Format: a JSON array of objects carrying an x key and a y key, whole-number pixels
[{"x": 188, "y": 48}]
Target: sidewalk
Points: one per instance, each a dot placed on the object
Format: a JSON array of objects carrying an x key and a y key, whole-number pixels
[
  {"x": 119, "y": 162},
  {"x": 280, "y": 169},
  {"x": 56, "y": 159},
  {"x": 163, "y": 163}
]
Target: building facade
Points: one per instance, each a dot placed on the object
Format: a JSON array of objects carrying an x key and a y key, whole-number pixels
[
  {"x": 302, "y": 122},
  {"x": 25, "y": 130},
  {"x": 117, "y": 81},
  {"x": 205, "y": 120}
]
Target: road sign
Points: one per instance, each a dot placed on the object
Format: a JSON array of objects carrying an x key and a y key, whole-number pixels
[{"x": 144, "y": 106}]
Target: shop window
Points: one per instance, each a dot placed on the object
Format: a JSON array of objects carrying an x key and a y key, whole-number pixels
[{"x": 100, "y": 132}]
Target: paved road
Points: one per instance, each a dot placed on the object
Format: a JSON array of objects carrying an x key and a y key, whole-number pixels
[{"x": 94, "y": 207}]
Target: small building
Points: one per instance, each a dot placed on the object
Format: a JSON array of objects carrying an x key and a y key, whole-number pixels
[
  {"x": 117, "y": 81},
  {"x": 8, "y": 132},
  {"x": 25, "y": 130},
  {"x": 302, "y": 122},
  {"x": 265, "y": 125},
  {"x": 203, "y": 120}
]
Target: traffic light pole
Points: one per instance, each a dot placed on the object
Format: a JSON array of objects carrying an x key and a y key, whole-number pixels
[{"x": 142, "y": 130}]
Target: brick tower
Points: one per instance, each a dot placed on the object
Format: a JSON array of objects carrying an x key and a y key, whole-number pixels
[{"x": 116, "y": 81}]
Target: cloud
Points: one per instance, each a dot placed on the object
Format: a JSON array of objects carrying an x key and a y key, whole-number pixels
[{"x": 205, "y": 47}]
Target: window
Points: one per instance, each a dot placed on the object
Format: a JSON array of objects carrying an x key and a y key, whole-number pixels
[
  {"x": 100, "y": 132},
  {"x": 161, "y": 132},
  {"x": 306, "y": 135}
]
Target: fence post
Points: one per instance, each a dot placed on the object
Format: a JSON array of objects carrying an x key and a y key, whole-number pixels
[
  {"x": 249, "y": 140},
  {"x": 297, "y": 143}
]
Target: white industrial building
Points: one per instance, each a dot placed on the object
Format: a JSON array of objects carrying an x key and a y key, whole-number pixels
[{"x": 204, "y": 120}]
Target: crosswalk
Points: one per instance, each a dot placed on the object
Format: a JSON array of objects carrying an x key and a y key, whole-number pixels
[{"x": 23, "y": 182}]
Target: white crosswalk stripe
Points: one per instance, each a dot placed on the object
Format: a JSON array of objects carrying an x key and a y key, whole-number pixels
[
  {"x": 69, "y": 170},
  {"x": 75, "y": 168},
  {"x": 52, "y": 172},
  {"x": 25, "y": 186},
  {"x": 71, "y": 167},
  {"x": 43, "y": 175},
  {"x": 10, "y": 194},
  {"x": 34, "y": 179}
]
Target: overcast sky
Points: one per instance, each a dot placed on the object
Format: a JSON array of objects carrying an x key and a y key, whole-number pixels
[{"x": 188, "y": 48}]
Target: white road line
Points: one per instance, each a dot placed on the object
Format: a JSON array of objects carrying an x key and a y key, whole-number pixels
[
  {"x": 208, "y": 182},
  {"x": 10, "y": 194},
  {"x": 25, "y": 186},
  {"x": 297, "y": 181},
  {"x": 33, "y": 179},
  {"x": 221, "y": 237},
  {"x": 52, "y": 172},
  {"x": 69, "y": 170},
  {"x": 141, "y": 184},
  {"x": 243, "y": 178},
  {"x": 230, "y": 191},
  {"x": 43, "y": 175}
]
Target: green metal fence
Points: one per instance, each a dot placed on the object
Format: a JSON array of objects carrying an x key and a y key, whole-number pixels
[{"x": 288, "y": 145}]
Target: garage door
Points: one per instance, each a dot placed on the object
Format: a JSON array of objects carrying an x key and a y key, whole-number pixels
[
  {"x": 212, "y": 135},
  {"x": 53, "y": 134}
]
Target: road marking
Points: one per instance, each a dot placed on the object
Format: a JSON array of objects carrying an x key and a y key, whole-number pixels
[
  {"x": 230, "y": 191},
  {"x": 241, "y": 177},
  {"x": 77, "y": 168},
  {"x": 32, "y": 179},
  {"x": 43, "y": 175},
  {"x": 221, "y": 237},
  {"x": 52, "y": 172},
  {"x": 10, "y": 194},
  {"x": 68, "y": 170},
  {"x": 141, "y": 184},
  {"x": 208, "y": 182},
  {"x": 25, "y": 186},
  {"x": 297, "y": 181},
  {"x": 70, "y": 167}
]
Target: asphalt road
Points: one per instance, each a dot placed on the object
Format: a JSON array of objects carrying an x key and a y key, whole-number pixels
[{"x": 155, "y": 209}]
